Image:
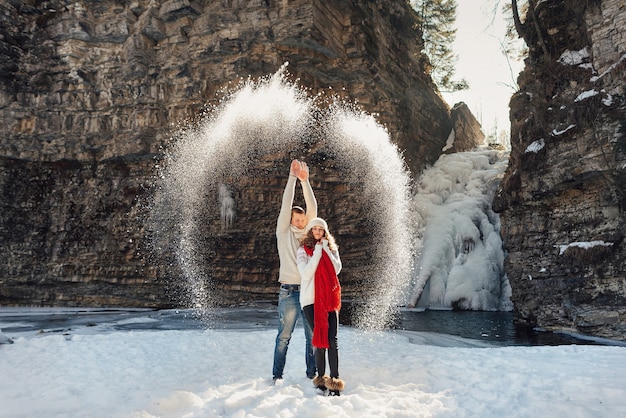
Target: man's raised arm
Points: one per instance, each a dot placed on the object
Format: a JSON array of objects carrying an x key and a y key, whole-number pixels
[
  {"x": 284, "y": 217},
  {"x": 307, "y": 191}
]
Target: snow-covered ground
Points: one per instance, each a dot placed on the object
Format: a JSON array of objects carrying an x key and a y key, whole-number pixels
[{"x": 140, "y": 365}]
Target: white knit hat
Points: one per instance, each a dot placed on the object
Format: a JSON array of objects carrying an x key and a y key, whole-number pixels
[{"x": 316, "y": 222}]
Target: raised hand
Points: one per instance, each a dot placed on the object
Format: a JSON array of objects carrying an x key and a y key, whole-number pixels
[
  {"x": 295, "y": 168},
  {"x": 303, "y": 175}
]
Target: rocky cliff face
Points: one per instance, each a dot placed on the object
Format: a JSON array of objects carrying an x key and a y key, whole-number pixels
[
  {"x": 563, "y": 200},
  {"x": 466, "y": 133},
  {"x": 91, "y": 91}
]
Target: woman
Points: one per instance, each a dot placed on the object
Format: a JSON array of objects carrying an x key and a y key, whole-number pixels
[{"x": 320, "y": 298}]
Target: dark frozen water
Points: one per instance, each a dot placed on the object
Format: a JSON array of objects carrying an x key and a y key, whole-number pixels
[
  {"x": 25, "y": 320},
  {"x": 495, "y": 328}
]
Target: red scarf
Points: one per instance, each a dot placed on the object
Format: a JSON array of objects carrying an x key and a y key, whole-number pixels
[{"x": 327, "y": 298}]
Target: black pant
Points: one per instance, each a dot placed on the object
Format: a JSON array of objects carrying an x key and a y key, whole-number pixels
[{"x": 333, "y": 350}]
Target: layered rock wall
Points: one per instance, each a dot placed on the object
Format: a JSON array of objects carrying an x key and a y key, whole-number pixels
[
  {"x": 562, "y": 202},
  {"x": 467, "y": 133},
  {"x": 91, "y": 91}
]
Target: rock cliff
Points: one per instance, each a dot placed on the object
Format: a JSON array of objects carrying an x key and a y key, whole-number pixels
[
  {"x": 91, "y": 92},
  {"x": 563, "y": 199},
  {"x": 466, "y": 133}
]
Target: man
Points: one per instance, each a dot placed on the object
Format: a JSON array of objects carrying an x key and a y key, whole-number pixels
[{"x": 289, "y": 231}]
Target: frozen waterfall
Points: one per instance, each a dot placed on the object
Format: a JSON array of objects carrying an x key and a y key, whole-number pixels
[{"x": 460, "y": 264}]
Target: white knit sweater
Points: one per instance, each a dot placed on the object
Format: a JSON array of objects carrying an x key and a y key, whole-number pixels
[
  {"x": 307, "y": 265},
  {"x": 288, "y": 236}
]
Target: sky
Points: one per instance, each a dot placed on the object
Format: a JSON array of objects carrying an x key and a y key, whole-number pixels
[
  {"x": 483, "y": 65},
  {"x": 106, "y": 369}
]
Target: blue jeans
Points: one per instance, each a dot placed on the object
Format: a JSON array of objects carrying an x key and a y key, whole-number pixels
[{"x": 288, "y": 313}]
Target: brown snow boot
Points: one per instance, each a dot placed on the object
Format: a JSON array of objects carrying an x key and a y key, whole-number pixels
[
  {"x": 320, "y": 382},
  {"x": 335, "y": 385}
]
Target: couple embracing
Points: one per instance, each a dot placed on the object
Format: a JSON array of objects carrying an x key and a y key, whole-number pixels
[{"x": 309, "y": 287}]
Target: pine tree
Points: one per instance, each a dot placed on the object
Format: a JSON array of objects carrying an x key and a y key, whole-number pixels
[{"x": 437, "y": 19}]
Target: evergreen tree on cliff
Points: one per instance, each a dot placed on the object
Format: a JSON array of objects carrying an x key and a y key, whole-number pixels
[{"x": 436, "y": 23}]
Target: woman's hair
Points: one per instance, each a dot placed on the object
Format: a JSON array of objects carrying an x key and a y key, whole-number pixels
[{"x": 310, "y": 241}]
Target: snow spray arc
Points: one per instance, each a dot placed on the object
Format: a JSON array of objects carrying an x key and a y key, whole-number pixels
[{"x": 255, "y": 125}]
